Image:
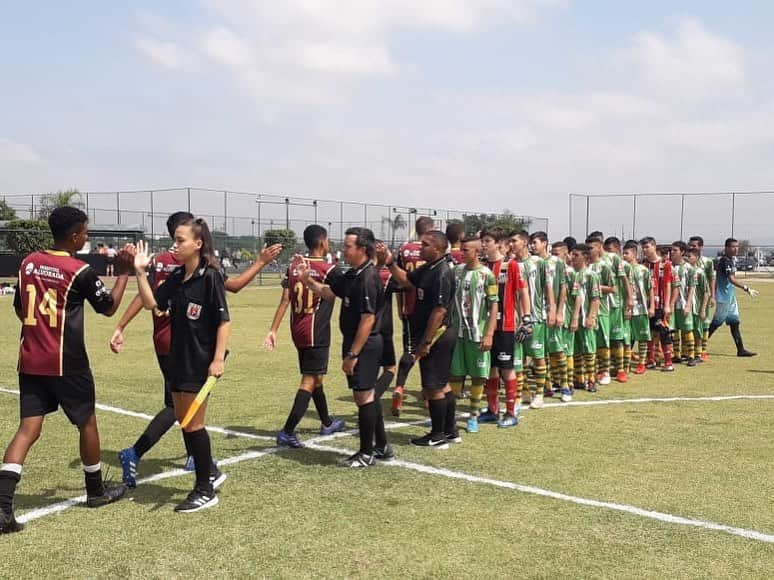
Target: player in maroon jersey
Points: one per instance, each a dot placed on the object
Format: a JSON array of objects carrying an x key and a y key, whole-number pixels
[
  {"x": 310, "y": 328},
  {"x": 661, "y": 273},
  {"x": 455, "y": 231},
  {"x": 53, "y": 364},
  {"x": 408, "y": 259},
  {"x": 161, "y": 267}
]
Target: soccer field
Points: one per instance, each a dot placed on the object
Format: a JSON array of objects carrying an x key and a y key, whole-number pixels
[{"x": 644, "y": 486}]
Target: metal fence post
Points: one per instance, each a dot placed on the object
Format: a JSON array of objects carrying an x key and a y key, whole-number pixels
[
  {"x": 634, "y": 216},
  {"x": 341, "y": 220},
  {"x": 153, "y": 219},
  {"x": 733, "y": 212},
  {"x": 188, "y": 189},
  {"x": 118, "y": 207},
  {"x": 225, "y": 212},
  {"x": 682, "y": 213},
  {"x": 287, "y": 213},
  {"x": 569, "y": 214},
  {"x": 587, "y": 217}
]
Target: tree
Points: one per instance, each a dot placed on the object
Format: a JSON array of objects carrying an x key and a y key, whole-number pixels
[
  {"x": 395, "y": 224},
  {"x": 745, "y": 249},
  {"x": 285, "y": 237},
  {"x": 26, "y": 236},
  {"x": 474, "y": 223},
  {"x": 51, "y": 201},
  {"x": 6, "y": 211}
]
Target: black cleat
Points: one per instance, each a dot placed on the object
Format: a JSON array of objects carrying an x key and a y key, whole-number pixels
[
  {"x": 746, "y": 353},
  {"x": 109, "y": 495},
  {"x": 8, "y": 523},
  {"x": 431, "y": 440},
  {"x": 385, "y": 453},
  {"x": 358, "y": 461},
  {"x": 197, "y": 500}
]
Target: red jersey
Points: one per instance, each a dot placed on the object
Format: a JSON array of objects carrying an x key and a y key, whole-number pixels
[
  {"x": 409, "y": 260},
  {"x": 161, "y": 267},
  {"x": 52, "y": 288},
  {"x": 456, "y": 256},
  {"x": 310, "y": 316},
  {"x": 661, "y": 273},
  {"x": 509, "y": 282}
]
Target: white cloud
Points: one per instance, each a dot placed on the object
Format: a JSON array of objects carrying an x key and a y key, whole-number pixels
[
  {"x": 13, "y": 152},
  {"x": 165, "y": 53}
]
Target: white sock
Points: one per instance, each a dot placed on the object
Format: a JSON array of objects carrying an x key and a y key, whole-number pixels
[
  {"x": 92, "y": 468},
  {"x": 12, "y": 467}
]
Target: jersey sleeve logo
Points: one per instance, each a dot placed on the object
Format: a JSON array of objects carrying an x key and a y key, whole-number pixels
[
  {"x": 194, "y": 311},
  {"x": 29, "y": 268},
  {"x": 420, "y": 294}
]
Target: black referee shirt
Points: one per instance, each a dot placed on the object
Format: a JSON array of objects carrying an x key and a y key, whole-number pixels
[
  {"x": 435, "y": 285},
  {"x": 196, "y": 309},
  {"x": 361, "y": 292}
]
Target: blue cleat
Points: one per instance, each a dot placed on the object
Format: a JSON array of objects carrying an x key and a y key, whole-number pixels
[
  {"x": 508, "y": 420},
  {"x": 129, "y": 462},
  {"x": 487, "y": 417},
  {"x": 472, "y": 425},
  {"x": 190, "y": 465},
  {"x": 335, "y": 426},
  {"x": 289, "y": 440}
]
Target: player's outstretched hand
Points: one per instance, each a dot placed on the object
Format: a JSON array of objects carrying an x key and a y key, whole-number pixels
[
  {"x": 270, "y": 342},
  {"x": 383, "y": 253},
  {"x": 301, "y": 267},
  {"x": 142, "y": 258},
  {"x": 126, "y": 258},
  {"x": 270, "y": 253},
  {"x": 751, "y": 291},
  {"x": 117, "y": 341}
]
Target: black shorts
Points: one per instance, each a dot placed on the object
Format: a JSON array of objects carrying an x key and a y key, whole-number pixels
[
  {"x": 503, "y": 345},
  {"x": 166, "y": 371},
  {"x": 657, "y": 326},
  {"x": 409, "y": 341},
  {"x": 314, "y": 360},
  {"x": 187, "y": 385},
  {"x": 434, "y": 368},
  {"x": 388, "y": 350},
  {"x": 40, "y": 395},
  {"x": 367, "y": 367}
]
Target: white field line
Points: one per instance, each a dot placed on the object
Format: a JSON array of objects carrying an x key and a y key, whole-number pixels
[{"x": 644, "y": 513}]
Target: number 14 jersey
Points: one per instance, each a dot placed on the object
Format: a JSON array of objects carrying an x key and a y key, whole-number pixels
[{"x": 310, "y": 316}]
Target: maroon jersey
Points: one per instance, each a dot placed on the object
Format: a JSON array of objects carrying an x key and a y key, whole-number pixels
[
  {"x": 661, "y": 273},
  {"x": 310, "y": 316},
  {"x": 52, "y": 288},
  {"x": 509, "y": 282},
  {"x": 409, "y": 260},
  {"x": 161, "y": 267},
  {"x": 456, "y": 256}
]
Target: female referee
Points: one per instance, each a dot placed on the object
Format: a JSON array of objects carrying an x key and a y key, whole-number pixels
[{"x": 195, "y": 298}]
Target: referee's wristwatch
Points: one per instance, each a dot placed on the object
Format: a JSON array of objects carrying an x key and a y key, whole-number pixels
[{"x": 351, "y": 355}]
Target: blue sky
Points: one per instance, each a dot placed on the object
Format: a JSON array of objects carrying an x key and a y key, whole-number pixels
[{"x": 510, "y": 103}]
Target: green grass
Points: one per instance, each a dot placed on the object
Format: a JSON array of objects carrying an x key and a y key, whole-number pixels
[{"x": 294, "y": 514}]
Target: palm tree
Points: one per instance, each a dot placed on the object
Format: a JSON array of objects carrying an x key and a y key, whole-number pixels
[
  {"x": 396, "y": 223},
  {"x": 51, "y": 201}
]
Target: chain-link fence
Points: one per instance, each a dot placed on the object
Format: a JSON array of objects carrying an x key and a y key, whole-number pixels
[{"x": 239, "y": 220}]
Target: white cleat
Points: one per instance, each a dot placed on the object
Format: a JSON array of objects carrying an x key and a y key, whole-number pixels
[
  {"x": 605, "y": 380},
  {"x": 537, "y": 402}
]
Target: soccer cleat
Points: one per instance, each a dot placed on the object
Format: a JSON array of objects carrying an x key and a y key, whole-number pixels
[
  {"x": 453, "y": 437},
  {"x": 289, "y": 440},
  {"x": 605, "y": 379},
  {"x": 579, "y": 385},
  {"x": 8, "y": 523},
  {"x": 622, "y": 377},
  {"x": 591, "y": 387},
  {"x": 640, "y": 370},
  {"x": 335, "y": 426},
  {"x": 190, "y": 464},
  {"x": 746, "y": 353},
  {"x": 385, "y": 453},
  {"x": 430, "y": 440},
  {"x": 472, "y": 426},
  {"x": 691, "y": 362},
  {"x": 668, "y": 369},
  {"x": 129, "y": 462},
  {"x": 487, "y": 417},
  {"x": 550, "y": 391},
  {"x": 358, "y": 461},
  {"x": 526, "y": 398},
  {"x": 704, "y": 357},
  {"x": 508, "y": 420},
  {"x": 678, "y": 360},
  {"x": 566, "y": 396},
  {"x": 397, "y": 401},
  {"x": 651, "y": 364},
  {"x": 109, "y": 495},
  {"x": 197, "y": 500},
  {"x": 217, "y": 477},
  {"x": 537, "y": 402}
]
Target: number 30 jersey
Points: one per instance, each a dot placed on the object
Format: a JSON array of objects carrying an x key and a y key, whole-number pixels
[
  {"x": 53, "y": 287},
  {"x": 310, "y": 316}
]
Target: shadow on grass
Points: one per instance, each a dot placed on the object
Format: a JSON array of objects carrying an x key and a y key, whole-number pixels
[
  {"x": 761, "y": 372},
  {"x": 161, "y": 496}
]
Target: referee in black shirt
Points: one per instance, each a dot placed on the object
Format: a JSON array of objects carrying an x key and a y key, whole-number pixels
[
  {"x": 431, "y": 320},
  {"x": 362, "y": 295}
]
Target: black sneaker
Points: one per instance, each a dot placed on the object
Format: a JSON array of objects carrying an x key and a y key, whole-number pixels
[
  {"x": 691, "y": 362},
  {"x": 430, "y": 440},
  {"x": 358, "y": 461},
  {"x": 385, "y": 453},
  {"x": 8, "y": 523},
  {"x": 746, "y": 353},
  {"x": 109, "y": 495},
  {"x": 197, "y": 500},
  {"x": 454, "y": 437},
  {"x": 217, "y": 477}
]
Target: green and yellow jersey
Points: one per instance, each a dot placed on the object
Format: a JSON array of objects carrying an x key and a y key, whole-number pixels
[{"x": 476, "y": 290}]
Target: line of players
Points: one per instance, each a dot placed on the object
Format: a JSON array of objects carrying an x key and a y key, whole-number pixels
[{"x": 526, "y": 315}]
